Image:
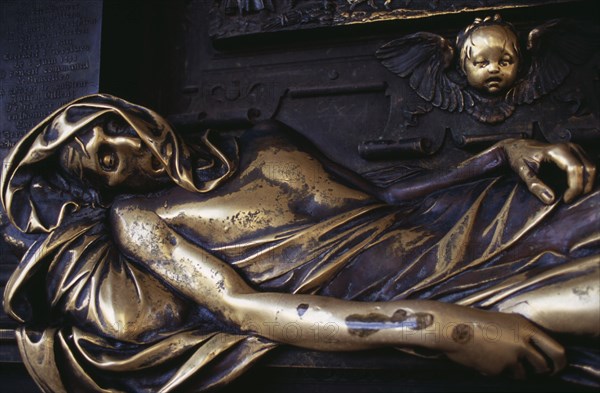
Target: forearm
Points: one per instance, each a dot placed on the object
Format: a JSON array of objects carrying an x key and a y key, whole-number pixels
[
  {"x": 484, "y": 163},
  {"x": 330, "y": 324}
]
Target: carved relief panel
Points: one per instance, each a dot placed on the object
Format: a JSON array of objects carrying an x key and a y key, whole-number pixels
[{"x": 334, "y": 194}]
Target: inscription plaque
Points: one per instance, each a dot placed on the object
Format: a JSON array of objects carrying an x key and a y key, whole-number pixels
[{"x": 49, "y": 54}]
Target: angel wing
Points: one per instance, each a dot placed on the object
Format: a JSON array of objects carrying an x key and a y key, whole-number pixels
[
  {"x": 426, "y": 57},
  {"x": 554, "y": 46}
]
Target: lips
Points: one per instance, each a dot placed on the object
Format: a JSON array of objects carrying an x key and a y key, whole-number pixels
[{"x": 493, "y": 80}]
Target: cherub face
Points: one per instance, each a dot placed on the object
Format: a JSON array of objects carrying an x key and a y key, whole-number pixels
[
  {"x": 490, "y": 59},
  {"x": 110, "y": 161}
]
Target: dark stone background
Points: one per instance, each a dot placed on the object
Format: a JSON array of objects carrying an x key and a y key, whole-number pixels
[{"x": 324, "y": 81}]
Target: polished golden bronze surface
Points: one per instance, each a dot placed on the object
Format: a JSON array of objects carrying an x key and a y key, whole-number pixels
[
  {"x": 169, "y": 263},
  {"x": 489, "y": 57},
  {"x": 117, "y": 160}
]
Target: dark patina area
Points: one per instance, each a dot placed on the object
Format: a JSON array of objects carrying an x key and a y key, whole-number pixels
[
  {"x": 301, "y": 309},
  {"x": 462, "y": 333}
]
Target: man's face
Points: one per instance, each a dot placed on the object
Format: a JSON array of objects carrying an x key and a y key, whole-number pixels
[{"x": 110, "y": 160}]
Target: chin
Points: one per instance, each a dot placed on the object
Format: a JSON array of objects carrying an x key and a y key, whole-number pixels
[{"x": 493, "y": 89}]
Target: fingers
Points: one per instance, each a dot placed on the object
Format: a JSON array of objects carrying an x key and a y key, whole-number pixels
[
  {"x": 562, "y": 156},
  {"x": 580, "y": 171},
  {"x": 537, "y": 361},
  {"x": 535, "y": 185},
  {"x": 588, "y": 166},
  {"x": 541, "y": 354},
  {"x": 554, "y": 352},
  {"x": 526, "y": 156}
]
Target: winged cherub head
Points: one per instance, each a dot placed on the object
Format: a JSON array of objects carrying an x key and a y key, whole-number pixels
[
  {"x": 489, "y": 62},
  {"x": 489, "y": 54}
]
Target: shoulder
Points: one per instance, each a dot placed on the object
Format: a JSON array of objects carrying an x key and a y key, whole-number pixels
[
  {"x": 128, "y": 213},
  {"x": 272, "y": 135}
]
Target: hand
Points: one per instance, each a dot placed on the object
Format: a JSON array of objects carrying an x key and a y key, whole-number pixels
[
  {"x": 526, "y": 156},
  {"x": 496, "y": 343}
]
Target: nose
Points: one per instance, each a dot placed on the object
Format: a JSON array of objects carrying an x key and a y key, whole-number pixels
[{"x": 493, "y": 68}]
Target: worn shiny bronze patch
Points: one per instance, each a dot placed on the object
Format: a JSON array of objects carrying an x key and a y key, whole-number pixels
[{"x": 365, "y": 325}]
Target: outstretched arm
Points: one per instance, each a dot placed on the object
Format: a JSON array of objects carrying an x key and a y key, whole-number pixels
[
  {"x": 524, "y": 156},
  {"x": 490, "y": 342}
]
